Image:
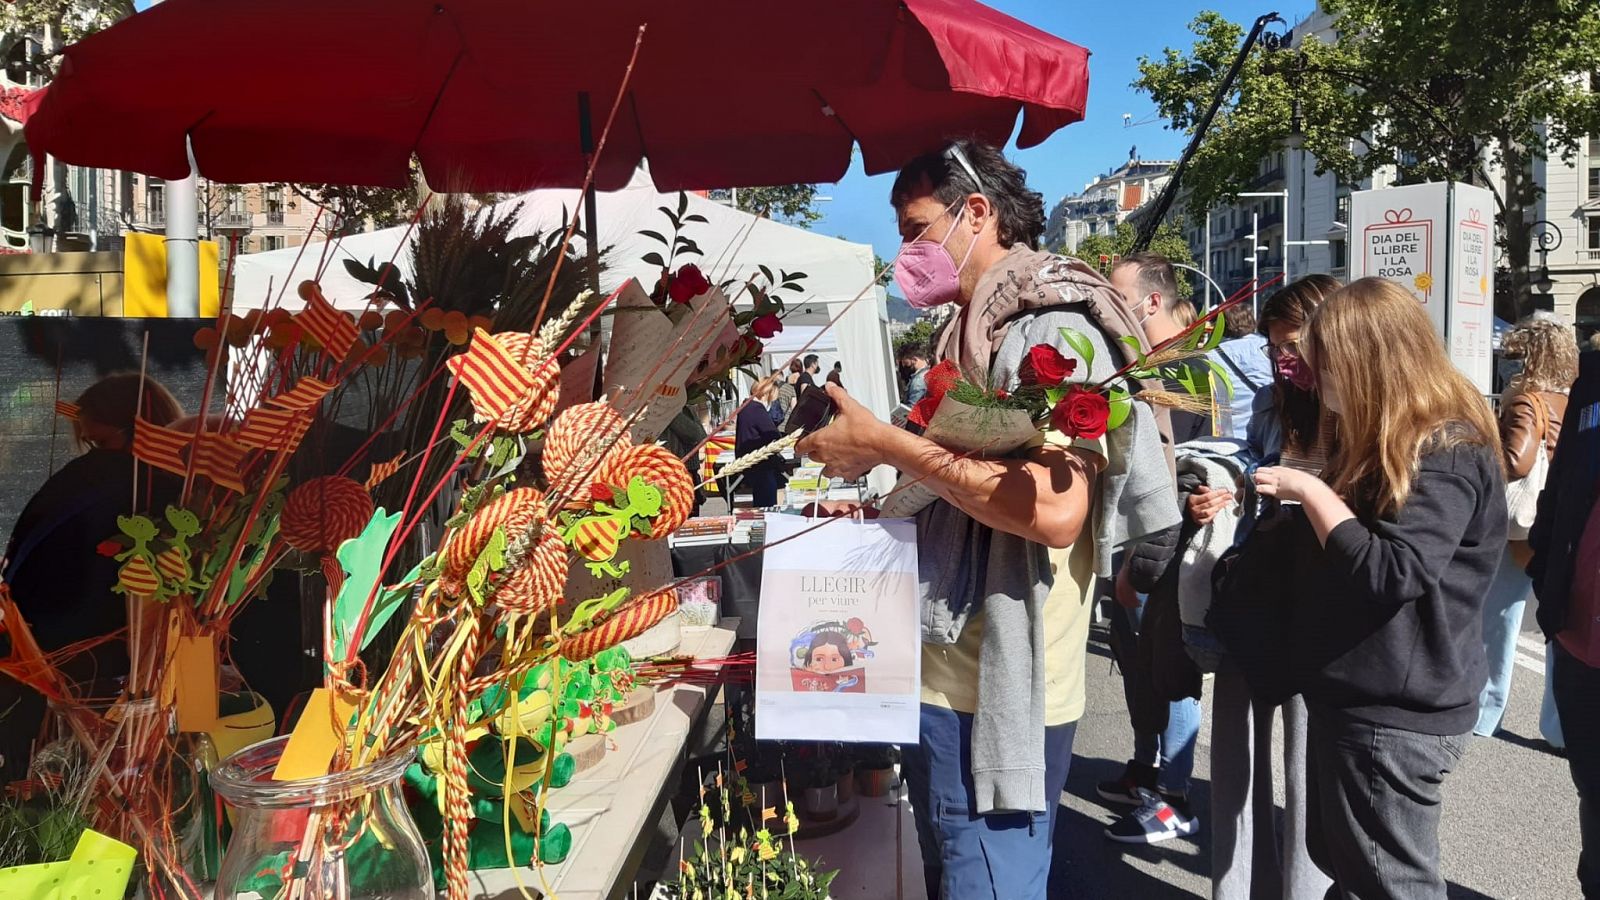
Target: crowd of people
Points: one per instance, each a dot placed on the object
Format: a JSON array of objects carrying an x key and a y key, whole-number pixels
[{"x": 1348, "y": 540}]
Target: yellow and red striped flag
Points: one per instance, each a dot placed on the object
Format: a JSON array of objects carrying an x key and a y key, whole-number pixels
[
  {"x": 494, "y": 378},
  {"x": 162, "y": 447},
  {"x": 68, "y": 411},
  {"x": 331, "y": 328},
  {"x": 220, "y": 458},
  {"x": 307, "y": 392},
  {"x": 382, "y": 470},
  {"x": 274, "y": 429}
]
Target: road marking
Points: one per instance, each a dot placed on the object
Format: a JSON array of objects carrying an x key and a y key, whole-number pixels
[
  {"x": 1531, "y": 664},
  {"x": 1531, "y": 644}
]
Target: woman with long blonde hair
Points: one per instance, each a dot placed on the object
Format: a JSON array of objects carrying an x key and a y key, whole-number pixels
[
  {"x": 1538, "y": 363},
  {"x": 1403, "y": 533}
]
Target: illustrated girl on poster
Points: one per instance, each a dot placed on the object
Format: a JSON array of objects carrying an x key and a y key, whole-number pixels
[{"x": 828, "y": 656}]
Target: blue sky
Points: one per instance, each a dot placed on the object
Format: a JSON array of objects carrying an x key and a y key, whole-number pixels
[{"x": 1117, "y": 34}]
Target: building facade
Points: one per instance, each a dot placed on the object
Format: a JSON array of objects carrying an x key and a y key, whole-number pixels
[{"x": 1105, "y": 202}]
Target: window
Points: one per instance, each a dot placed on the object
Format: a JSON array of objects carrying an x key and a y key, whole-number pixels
[
  {"x": 271, "y": 242},
  {"x": 1594, "y": 167},
  {"x": 1593, "y": 223},
  {"x": 1341, "y": 209},
  {"x": 155, "y": 201},
  {"x": 1339, "y": 252}
]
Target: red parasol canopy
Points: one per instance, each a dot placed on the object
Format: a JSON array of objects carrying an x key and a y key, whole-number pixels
[{"x": 485, "y": 92}]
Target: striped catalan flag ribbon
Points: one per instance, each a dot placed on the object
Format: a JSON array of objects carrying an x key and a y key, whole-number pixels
[
  {"x": 307, "y": 392},
  {"x": 382, "y": 470},
  {"x": 495, "y": 379},
  {"x": 68, "y": 411},
  {"x": 162, "y": 447},
  {"x": 273, "y": 429},
  {"x": 331, "y": 328},
  {"x": 220, "y": 458}
]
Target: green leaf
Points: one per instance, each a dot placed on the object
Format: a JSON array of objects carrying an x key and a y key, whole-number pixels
[
  {"x": 1192, "y": 342},
  {"x": 654, "y": 236},
  {"x": 1222, "y": 377},
  {"x": 1121, "y": 407},
  {"x": 653, "y": 259},
  {"x": 1218, "y": 334},
  {"x": 1079, "y": 342},
  {"x": 1136, "y": 345}
]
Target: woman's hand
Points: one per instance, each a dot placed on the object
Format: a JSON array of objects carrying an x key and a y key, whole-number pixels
[
  {"x": 1285, "y": 483},
  {"x": 1204, "y": 503}
]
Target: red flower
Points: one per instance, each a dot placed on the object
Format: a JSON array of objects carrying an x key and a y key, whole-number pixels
[
  {"x": 940, "y": 380},
  {"x": 1046, "y": 366},
  {"x": 766, "y": 326},
  {"x": 108, "y": 548},
  {"x": 1082, "y": 413},
  {"x": 749, "y": 347},
  {"x": 688, "y": 284},
  {"x": 602, "y": 493}
]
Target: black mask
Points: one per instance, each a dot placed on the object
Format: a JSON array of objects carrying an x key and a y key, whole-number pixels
[{"x": 906, "y": 372}]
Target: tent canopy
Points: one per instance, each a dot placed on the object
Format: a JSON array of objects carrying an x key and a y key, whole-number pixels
[{"x": 735, "y": 244}]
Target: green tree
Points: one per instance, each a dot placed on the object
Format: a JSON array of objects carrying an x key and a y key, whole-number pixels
[
  {"x": 1168, "y": 242},
  {"x": 920, "y": 333},
  {"x": 1446, "y": 90},
  {"x": 59, "y": 22},
  {"x": 793, "y": 204}
]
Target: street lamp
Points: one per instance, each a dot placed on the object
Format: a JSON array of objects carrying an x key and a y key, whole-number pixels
[{"x": 1547, "y": 237}]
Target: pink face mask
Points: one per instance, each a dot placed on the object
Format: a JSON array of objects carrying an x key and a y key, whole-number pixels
[
  {"x": 927, "y": 274},
  {"x": 1294, "y": 370}
]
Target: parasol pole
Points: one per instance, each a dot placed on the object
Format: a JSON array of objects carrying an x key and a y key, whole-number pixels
[{"x": 591, "y": 229}]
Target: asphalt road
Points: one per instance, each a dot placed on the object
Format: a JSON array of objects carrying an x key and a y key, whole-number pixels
[{"x": 1510, "y": 812}]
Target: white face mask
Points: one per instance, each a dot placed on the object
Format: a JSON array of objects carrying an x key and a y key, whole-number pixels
[{"x": 1144, "y": 305}]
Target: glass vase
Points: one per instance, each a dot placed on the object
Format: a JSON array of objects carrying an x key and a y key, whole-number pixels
[{"x": 344, "y": 836}]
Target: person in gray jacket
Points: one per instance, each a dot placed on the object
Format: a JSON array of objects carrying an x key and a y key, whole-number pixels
[{"x": 1000, "y": 665}]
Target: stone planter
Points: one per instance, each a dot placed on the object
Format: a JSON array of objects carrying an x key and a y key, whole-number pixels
[
  {"x": 821, "y": 804},
  {"x": 875, "y": 782},
  {"x": 845, "y": 787}
]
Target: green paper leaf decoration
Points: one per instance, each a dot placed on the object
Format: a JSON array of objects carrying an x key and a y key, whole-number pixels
[
  {"x": 1219, "y": 333},
  {"x": 1134, "y": 344},
  {"x": 361, "y": 557},
  {"x": 1080, "y": 344},
  {"x": 1222, "y": 378}
]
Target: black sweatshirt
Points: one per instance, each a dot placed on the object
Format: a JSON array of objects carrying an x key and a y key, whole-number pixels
[{"x": 1388, "y": 620}]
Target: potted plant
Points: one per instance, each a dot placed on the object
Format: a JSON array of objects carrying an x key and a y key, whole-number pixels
[
  {"x": 875, "y": 773},
  {"x": 845, "y": 775},
  {"x": 820, "y": 799}
]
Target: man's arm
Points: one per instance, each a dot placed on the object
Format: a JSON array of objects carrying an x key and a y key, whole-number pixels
[{"x": 1044, "y": 497}]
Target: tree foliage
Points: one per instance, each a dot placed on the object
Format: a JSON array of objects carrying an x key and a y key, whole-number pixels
[
  {"x": 1168, "y": 242},
  {"x": 67, "y": 21},
  {"x": 1433, "y": 89},
  {"x": 793, "y": 204},
  {"x": 920, "y": 334}
]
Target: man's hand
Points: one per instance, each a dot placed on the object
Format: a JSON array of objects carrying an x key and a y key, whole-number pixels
[
  {"x": 1204, "y": 504},
  {"x": 850, "y": 446}
]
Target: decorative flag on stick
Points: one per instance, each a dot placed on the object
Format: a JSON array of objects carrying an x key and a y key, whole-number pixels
[
  {"x": 68, "y": 411},
  {"x": 329, "y": 327},
  {"x": 494, "y": 378},
  {"x": 274, "y": 429},
  {"x": 161, "y": 447},
  {"x": 382, "y": 470},
  {"x": 221, "y": 459},
  {"x": 308, "y": 392}
]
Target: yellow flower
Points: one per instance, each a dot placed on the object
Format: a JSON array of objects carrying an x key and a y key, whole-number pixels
[{"x": 1424, "y": 282}]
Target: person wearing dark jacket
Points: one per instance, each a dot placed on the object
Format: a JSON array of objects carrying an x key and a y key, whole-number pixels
[
  {"x": 1406, "y": 526},
  {"x": 61, "y": 583},
  {"x": 1557, "y": 536},
  {"x": 753, "y": 429}
]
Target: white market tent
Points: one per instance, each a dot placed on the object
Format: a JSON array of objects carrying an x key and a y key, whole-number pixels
[{"x": 735, "y": 243}]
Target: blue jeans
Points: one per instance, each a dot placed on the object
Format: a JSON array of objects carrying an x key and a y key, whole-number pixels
[
  {"x": 1172, "y": 750},
  {"x": 1502, "y": 622},
  {"x": 966, "y": 856},
  {"x": 1577, "y": 690}
]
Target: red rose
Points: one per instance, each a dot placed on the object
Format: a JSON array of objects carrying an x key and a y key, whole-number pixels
[
  {"x": 688, "y": 284},
  {"x": 108, "y": 548},
  {"x": 1046, "y": 366},
  {"x": 1081, "y": 413},
  {"x": 750, "y": 347},
  {"x": 766, "y": 326}
]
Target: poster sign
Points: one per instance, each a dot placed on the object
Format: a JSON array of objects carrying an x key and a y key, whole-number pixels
[
  {"x": 1437, "y": 242},
  {"x": 838, "y": 643}
]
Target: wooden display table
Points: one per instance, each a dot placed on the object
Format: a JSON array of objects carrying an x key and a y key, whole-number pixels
[{"x": 608, "y": 807}]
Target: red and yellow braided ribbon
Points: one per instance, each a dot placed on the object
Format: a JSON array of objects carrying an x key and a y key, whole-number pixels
[{"x": 624, "y": 624}]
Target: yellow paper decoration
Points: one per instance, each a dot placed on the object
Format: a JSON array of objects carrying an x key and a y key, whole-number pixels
[{"x": 99, "y": 867}]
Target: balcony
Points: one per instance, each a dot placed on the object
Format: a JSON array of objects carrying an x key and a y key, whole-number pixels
[
  {"x": 1271, "y": 220},
  {"x": 274, "y": 217},
  {"x": 1589, "y": 255},
  {"x": 154, "y": 218},
  {"x": 1266, "y": 178},
  {"x": 232, "y": 219}
]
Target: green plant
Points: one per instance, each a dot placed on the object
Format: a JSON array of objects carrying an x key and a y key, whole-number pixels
[{"x": 729, "y": 861}]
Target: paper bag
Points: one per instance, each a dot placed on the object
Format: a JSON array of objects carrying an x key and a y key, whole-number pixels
[
  {"x": 838, "y": 644},
  {"x": 651, "y": 351}
]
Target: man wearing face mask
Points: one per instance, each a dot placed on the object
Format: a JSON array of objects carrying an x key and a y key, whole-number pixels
[
  {"x": 914, "y": 372},
  {"x": 1002, "y": 668}
]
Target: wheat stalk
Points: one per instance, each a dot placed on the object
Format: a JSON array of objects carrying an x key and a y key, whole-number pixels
[
  {"x": 556, "y": 329},
  {"x": 759, "y": 456},
  {"x": 1174, "y": 400}
]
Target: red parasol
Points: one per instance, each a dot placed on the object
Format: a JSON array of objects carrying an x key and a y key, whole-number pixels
[{"x": 486, "y": 93}]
